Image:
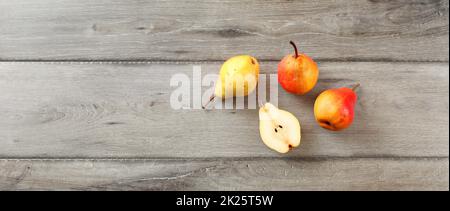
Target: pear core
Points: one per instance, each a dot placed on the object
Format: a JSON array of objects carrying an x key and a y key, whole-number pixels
[{"x": 279, "y": 129}]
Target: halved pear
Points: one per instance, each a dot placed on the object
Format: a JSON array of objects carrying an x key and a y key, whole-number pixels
[{"x": 279, "y": 129}]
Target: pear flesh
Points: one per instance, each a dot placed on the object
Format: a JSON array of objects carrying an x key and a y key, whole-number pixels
[{"x": 279, "y": 129}]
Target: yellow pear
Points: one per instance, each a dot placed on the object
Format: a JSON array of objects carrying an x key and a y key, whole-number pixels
[
  {"x": 279, "y": 129},
  {"x": 238, "y": 77}
]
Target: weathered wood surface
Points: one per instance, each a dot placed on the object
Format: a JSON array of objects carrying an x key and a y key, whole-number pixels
[
  {"x": 77, "y": 123},
  {"x": 254, "y": 174},
  {"x": 99, "y": 110},
  {"x": 358, "y": 30}
]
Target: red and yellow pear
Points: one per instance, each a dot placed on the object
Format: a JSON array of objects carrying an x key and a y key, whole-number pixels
[
  {"x": 334, "y": 109},
  {"x": 297, "y": 73}
]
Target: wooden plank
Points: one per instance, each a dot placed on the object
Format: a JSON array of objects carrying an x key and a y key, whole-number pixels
[
  {"x": 215, "y": 29},
  {"x": 263, "y": 174},
  {"x": 99, "y": 110}
]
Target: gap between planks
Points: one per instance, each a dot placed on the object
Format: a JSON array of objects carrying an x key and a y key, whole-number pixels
[
  {"x": 305, "y": 159},
  {"x": 162, "y": 61}
]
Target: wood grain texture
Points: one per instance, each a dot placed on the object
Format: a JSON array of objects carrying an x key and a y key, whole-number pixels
[
  {"x": 358, "y": 30},
  {"x": 264, "y": 174},
  {"x": 99, "y": 110}
]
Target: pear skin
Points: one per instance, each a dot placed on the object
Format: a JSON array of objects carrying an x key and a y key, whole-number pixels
[
  {"x": 238, "y": 77},
  {"x": 334, "y": 109},
  {"x": 297, "y": 73}
]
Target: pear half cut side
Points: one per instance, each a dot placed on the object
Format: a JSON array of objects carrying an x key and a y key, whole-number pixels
[{"x": 279, "y": 129}]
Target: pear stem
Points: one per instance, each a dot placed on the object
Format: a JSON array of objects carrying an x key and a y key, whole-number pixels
[
  {"x": 260, "y": 104},
  {"x": 295, "y": 48},
  {"x": 356, "y": 86},
  {"x": 210, "y": 100}
]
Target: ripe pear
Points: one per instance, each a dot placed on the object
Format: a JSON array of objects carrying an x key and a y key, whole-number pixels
[
  {"x": 279, "y": 129},
  {"x": 297, "y": 73},
  {"x": 238, "y": 77},
  {"x": 334, "y": 109}
]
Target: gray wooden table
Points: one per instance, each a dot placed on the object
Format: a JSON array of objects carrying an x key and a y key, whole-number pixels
[{"x": 84, "y": 101}]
